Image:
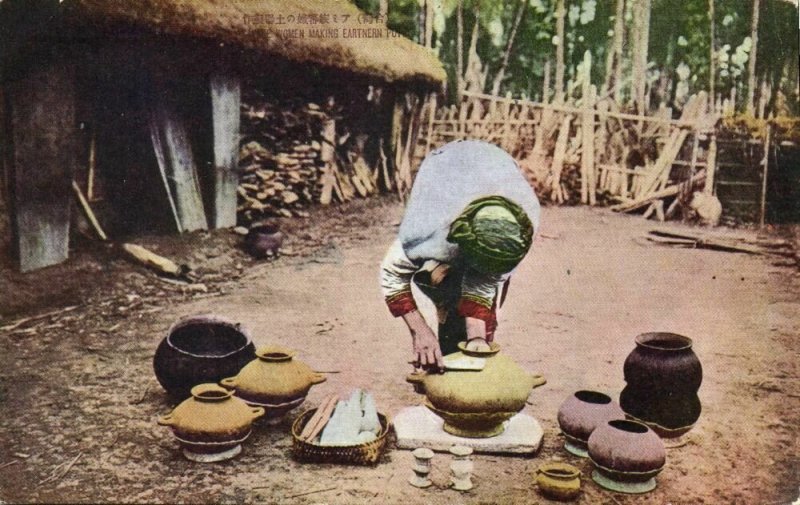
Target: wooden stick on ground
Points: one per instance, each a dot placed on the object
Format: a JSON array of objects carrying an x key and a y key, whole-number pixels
[
  {"x": 20, "y": 322},
  {"x": 87, "y": 211},
  {"x": 668, "y": 191},
  {"x": 154, "y": 261}
]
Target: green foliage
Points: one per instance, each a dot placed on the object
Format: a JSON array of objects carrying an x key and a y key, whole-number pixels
[{"x": 679, "y": 41}]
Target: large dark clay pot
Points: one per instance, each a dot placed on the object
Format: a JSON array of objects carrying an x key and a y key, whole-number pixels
[
  {"x": 663, "y": 375},
  {"x": 663, "y": 362},
  {"x": 200, "y": 349}
]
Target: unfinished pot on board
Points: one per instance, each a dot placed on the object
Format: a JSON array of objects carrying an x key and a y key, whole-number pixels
[
  {"x": 200, "y": 349},
  {"x": 580, "y": 414},
  {"x": 212, "y": 424},
  {"x": 627, "y": 456},
  {"x": 473, "y": 403},
  {"x": 274, "y": 380}
]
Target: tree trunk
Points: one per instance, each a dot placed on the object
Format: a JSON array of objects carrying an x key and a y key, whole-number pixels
[
  {"x": 559, "y": 86},
  {"x": 460, "y": 48},
  {"x": 614, "y": 56},
  {"x": 712, "y": 42},
  {"x": 641, "y": 24},
  {"x": 498, "y": 79},
  {"x": 383, "y": 9},
  {"x": 429, "y": 23},
  {"x": 751, "y": 65}
]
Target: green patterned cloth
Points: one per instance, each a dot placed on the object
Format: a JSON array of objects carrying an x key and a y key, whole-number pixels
[{"x": 493, "y": 234}]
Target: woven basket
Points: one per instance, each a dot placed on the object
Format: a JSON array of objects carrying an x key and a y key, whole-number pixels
[{"x": 362, "y": 454}]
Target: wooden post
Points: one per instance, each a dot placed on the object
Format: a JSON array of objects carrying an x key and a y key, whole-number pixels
[
  {"x": 225, "y": 105},
  {"x": 179, "y": 168},
  {"x": 44, "y": 141},
  {"x": 431, "y": 117},
  {"x": 765, "y": 162},
  {"x": 587, "y": 137},
  {"x": 558, "y": 158},
  {"x": 711, "y": 165}
]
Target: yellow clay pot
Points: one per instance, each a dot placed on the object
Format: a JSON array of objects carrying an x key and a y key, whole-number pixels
[
  {"x": 274, "y": 380},
  {"x": 211, "y": 417},
  {"x": 477, "y": 403}
]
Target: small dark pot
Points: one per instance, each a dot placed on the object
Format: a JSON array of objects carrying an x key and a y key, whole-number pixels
[
  {"x": 663, "y": 362},
  {"x": 201, "y": 349},
  {"x": 581, "y": 413},
  {"x": 669, "y": 415}
]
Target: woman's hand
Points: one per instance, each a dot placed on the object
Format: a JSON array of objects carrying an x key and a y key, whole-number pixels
[{"x": 425, "y": 344}]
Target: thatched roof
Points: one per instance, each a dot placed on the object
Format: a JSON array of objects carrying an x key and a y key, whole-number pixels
[{"x": 254, "y": 24}]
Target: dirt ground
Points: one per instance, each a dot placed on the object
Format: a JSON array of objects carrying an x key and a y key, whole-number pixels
[{"x": 78, "y": 398}]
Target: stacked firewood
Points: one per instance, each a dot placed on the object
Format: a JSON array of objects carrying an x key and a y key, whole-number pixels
[
  {"x": 296, "y": 153},
  {"x": 279, "y": 159}
]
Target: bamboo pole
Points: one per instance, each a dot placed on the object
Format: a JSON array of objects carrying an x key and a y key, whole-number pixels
[
  {"x": 431, "y": 116},
  {"x": 87, "y": 211},
  {"x": 578, "y": 110},
  {"x": 711, "y": 165},
  {"x": 765, "y": 162}
]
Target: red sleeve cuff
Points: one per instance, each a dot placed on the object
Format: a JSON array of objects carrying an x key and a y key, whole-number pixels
[
  {"x": 401, "y": 304},
  {"x": 475, "y": 310}
]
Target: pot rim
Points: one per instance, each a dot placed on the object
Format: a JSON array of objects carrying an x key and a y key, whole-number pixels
[
  {"x": 588, "y": 395},
  {"x": 645, "y": 340},
  {"x": 208, "y": 318},
  {"x": 549, "y": 467},
  {"x": 199, "y": 393},
  {"x": 274, "y": 353}
]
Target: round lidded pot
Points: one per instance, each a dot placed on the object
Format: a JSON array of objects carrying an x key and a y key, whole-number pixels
[
  {"x": 212, "y": 424},
  {"x": 627, "y": 456},
  {"x": 476, "y": 404},
  {"x": 558, "y": 481},
  {"x": 274, "y": 380},
  {"x": 581, "y": 413},
  {"x": 201, "y": 349}
]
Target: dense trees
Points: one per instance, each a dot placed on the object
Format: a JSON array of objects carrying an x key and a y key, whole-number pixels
[{"x": 660, "y": 52}]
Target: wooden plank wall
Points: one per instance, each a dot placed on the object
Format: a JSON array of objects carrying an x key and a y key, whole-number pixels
[
  {"x": 225, "y": 105},
  {"x": 42, "y": 159}
]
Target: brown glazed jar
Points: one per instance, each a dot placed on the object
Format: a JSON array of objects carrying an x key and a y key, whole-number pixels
[
  {"x": 663, "y": 376},
  {"x": 581, "y": 413},
  {"x": 627, "y": 456}
]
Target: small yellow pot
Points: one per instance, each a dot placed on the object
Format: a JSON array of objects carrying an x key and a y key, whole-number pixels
[{"x": 559, "y": 481}]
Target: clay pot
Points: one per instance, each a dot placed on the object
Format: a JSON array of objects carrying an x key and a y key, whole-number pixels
[
  {"x": 200, "y": 349},
  {"x": 274, "y": 380},
  {"x": 558, "y": 481},
  {"x": 663, "y": 362},
  {"x": 627, "y": 456},
  {"x": 477, "y": 403},
  {"x": 212, "y": 424},
  {"x": 663, "y": 375},
  {"x": 581, "y": 413}
]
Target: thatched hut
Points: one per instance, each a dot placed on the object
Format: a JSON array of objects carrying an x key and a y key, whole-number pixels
[{"x": 137, "y": 105}]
